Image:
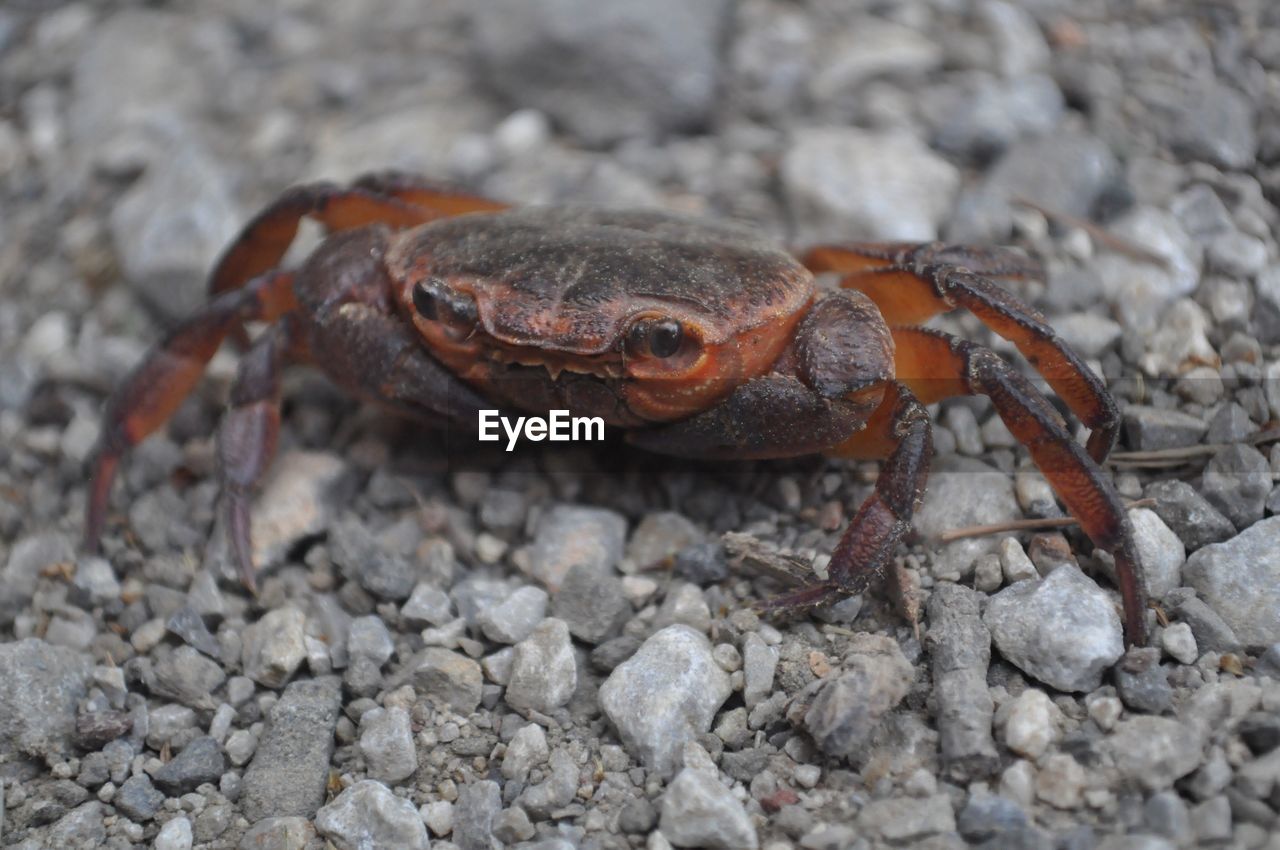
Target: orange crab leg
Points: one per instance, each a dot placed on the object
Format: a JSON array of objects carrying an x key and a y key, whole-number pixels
[
  {"x": 166, "y": 376},
  {"x": 390, "y": 198},
  {"x": 912, "y": 283},
  {"x": 937, "y": 365}
]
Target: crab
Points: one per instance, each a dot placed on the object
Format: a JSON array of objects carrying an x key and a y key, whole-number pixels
[{"x": 701, "y": 339}]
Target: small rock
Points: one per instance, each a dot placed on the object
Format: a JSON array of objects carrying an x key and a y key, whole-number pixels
[
  {"x": 990, "y": 816},
  {"x": 593, "y": 604},
  {"x": 846, "y": 710},
  {"x": 275, "y": 646},
  {"x": 556, "y": 790},
  {"x": 1014, "y": 562},
  {"x": 1139, "y": 290},
  {"x": 368, "y": 815},
  {"x": 697, "y": 811},
  {"x": 883, "y": 186},
  {"x": 1154, "y": 752},
  {"x": 1142, "y": 683},
  {"x": 1179, "y": 340},
  {"x": 1166, "y": 814},
  {"x": 386, "y": 742},
  {"x": 427, "y": 606},
  {"x": 569, "y": 535},
  {"x": 138, "y": 799},
  {"x": 1161, "y": 552},
  {"x": 473, "y": 815},
  {"x": 28, "y": 558},
  {"x": 1060, "y": 781},
  {"x": 1180, "y": 643},
  {"x": 1208, "y": 121},
  {"x": 665, "y": 695},
  {"x": 511, "y": 620},
  {"x": 1062, "y": 629},
  {"x": 1028, "y": 728},
  {"x": 684, "y": 604},
  {"x": 543, "y": 673},
  {"x": 448, "y": 677},
  {"x": 659, "y": 537},
  {"x": 907, "y": 819},
  {"x": 1153, "y": 428},
  {"x": 1237, "y": 481},
  {"x": 438, "y": 817},
  {"x": 512, "y": 826},
  {"x": 1019, "y": 46},
  {"x": 1211, "y": 631},
  {"x": 170, "y": 226},
  {"x": 369, "y": 639},
  {"x": 285, "y": 833},
  {"x": 363, "y": 559},
  {"x": 1188, "y": 514},
  {"x": 189, "y": 626},
  {"x": 1067, "y": 172},
  {"x": 964, "y": 491},
  {"x": 528, "y": 749},
  {"x": 174, "y": 835},
  {"x": 42, "y": 686},
  {"x": 959, "y": 646},
  {"x": 1240, "y": 580},
  {"x": 759, "y": 661},
  {"x": 606, "y": 71},
  {"x": 200, "y": 761},
  {"x": 290, "y": 768},
  {"x": 188, "y": 677}
]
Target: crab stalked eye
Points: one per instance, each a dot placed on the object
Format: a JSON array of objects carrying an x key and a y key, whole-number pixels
[
  {"x": 437, "y": 302},
  {"x": 659, "y": 338},
  {"x": 424, "y": 300},
  {"x": 665, "y": 337}
]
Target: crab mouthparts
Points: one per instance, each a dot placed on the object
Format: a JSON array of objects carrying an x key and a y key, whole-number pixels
[{"x": 607, "y": 365}]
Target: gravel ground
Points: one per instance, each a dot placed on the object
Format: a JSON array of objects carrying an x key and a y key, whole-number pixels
[{"x": 554, "y": 651}]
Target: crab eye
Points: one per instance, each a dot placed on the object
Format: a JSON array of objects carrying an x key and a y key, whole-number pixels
[
  {"x": 436, "y": 302},
  {"x": 659, "y": 338},
  {"x": 665, "y": 338},
  {"x": 424, "y": 300}
]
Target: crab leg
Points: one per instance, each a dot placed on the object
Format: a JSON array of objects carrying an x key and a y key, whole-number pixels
[
  {"x": 248, "y": 435},
  {"x": 394, "y": 199},
  {"x": 899, "y": 429},
  {"x": 166, "y": 376},
  {"x": 936, "y": 365},
  {"x": 911, "y": 283}
]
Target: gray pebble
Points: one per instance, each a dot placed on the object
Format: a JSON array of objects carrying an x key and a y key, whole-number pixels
[
  {"x": 514, "y": 618},
  {"x": 1237, "y": 481},
  {"x": 845, "y": 711},
  {"x": 665, "y": 695},
  {"x": 290, "y": 767},
  {"x": 199, "y": 762},
  {"x": 959, "y": 645},
  {"x": 1142, "y": 683},
  {"x": 1160, "y": 551},
  {"x": 445, "y": 676},
  {"x": 427, "y": 605},
  {"x": 42, "y": 686},
  {"x": 1152, "y": 428},
  {"x": 1154, "y": 752},
  {"x": 368, "y": 815},
  {"x": 527, "y": 749},
  {"x": 1240, "y": 580},
  {"x": 1062, "y": 630},
  {"x": 906, "y": 819},
  {"x": 363, "y": 559},
  {"x": 189, "y": 626},
  {"x": 543, "y": 672},
  {"x": 698, "y": 811},
  {"x": 1188, "y": 514},
  {"x": 188, "y": 677},
  {"x": 473, "y": 815},
  {"x": 282, "y": 833},
  {"x": 964, "y": 491},
  {"x": 606, "y": 71},
  {"x": 386, "y": 742},
  {"x": 138, "y": 798},
  {"x": 881, "y": 185},
  {"x": 569, "y": 535},
  {"x": 275, "y": 646},
  {"x": 591, "y": 603},
  {"x": 556, "y": 790},
  {"x": 659, "y": 537}
]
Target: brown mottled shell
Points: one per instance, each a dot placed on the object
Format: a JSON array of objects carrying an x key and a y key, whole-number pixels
[{"x": 571, "y": 278}]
